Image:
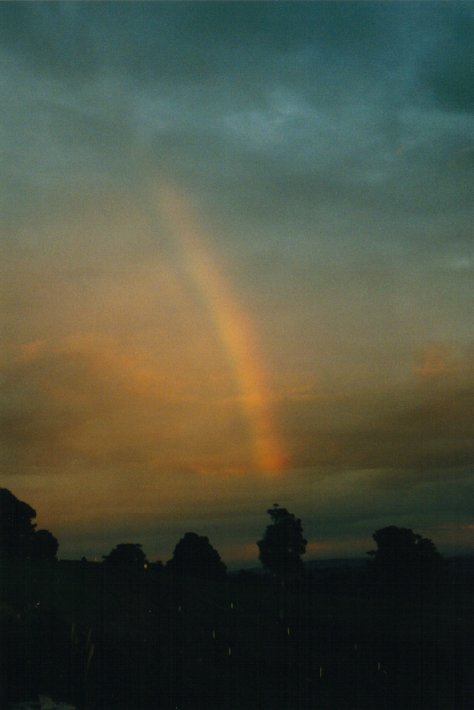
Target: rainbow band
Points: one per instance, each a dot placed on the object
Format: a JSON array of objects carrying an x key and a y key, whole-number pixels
[{"x": 232, "y": 325}]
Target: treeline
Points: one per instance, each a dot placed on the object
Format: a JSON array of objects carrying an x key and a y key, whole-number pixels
[
  {"x": 401, "y": 557},
  {"x": 128, "y": 633}
]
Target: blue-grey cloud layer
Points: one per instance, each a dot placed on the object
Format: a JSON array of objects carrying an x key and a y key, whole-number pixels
[{"x": 269, "y": 107}]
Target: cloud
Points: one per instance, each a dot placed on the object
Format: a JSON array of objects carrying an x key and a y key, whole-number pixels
[
  {"x": 437, "y": 360},
  {"x": 294, "y": 125},
  {"x": 330, "y": 148},
  {"x": 181, "y": 41},
  {"x": 88, "y": 401},
  {"x": 417, "y": 424},
  {"x": 447, "y": 71}
]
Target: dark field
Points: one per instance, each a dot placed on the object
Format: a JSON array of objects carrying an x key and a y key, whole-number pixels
[{"x": 110, "y": 639}]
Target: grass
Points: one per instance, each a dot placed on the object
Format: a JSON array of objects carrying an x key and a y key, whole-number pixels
[{"x": 136, "y": 641}]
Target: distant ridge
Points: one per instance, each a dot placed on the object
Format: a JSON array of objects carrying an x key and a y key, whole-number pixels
[
  {"x": 336, "y": 562},
  {"x": 314, "y": 565}
]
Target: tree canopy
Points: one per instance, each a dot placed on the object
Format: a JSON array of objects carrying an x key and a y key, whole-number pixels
[
  {"x": 44, "y": 545},
  {"x": 194, "y": 556},
  {"x": 18, "y": 534},
  {"x": 126, "y": 554},
  {"x": 403, "y": 557},
  {"x": 283, "y": 544}
]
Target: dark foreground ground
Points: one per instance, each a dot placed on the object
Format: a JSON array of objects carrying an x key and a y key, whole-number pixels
[{"x": 143, "y": 640}]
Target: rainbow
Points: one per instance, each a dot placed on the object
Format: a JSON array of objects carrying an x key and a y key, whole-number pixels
[{"x": 233, "y": 326}]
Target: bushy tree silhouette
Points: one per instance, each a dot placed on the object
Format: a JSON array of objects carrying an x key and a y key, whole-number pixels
[
  {"x": 44, "y": 545},
  {"x": 126, "y": 554},
  {"x": 403, "y": 558},
  {"x": 18, "y": 535},
  {"x": 194, "y": 556},
  {"x": 282, "y": 545}
]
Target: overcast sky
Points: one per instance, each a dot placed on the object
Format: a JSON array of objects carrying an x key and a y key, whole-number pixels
[{"x": 237, "y": 269}]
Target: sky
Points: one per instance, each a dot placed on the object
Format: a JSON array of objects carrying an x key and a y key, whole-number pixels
[{"x": 237, "y": 269}]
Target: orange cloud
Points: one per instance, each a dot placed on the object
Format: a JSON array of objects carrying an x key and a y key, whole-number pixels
[
  {"x": 435, "y": 361},
  {"x": 428, "y": 423},
  {"x": 91, "y": 399}
]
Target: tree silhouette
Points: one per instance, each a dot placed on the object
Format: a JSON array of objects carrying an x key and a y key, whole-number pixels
[
  {"x": 16, "y": 528},
  {"x": 403, "y": 558},
  {"x": 282, "y": 545},
  {"x": 18, "y": 537},
  {"x": 126, "y": 554},
  {"x": 194, "y": 556},
  {"x": 44, "y": 545}
]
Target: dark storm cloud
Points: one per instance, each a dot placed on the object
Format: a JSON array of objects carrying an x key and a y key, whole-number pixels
[
  {"x": 448, "y": 72},
  {"x": 317, "y": 47},
  {"x": 160, "y": 41},
  {"x": 259, "y": 108}
]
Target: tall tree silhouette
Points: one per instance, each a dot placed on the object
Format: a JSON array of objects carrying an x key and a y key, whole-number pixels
[
  {"x": 18, "y": 535},
  {"x": 403, "y": 558},
  {"x": 194, "y": 556},
  {"x": 282, "y": 545}
]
